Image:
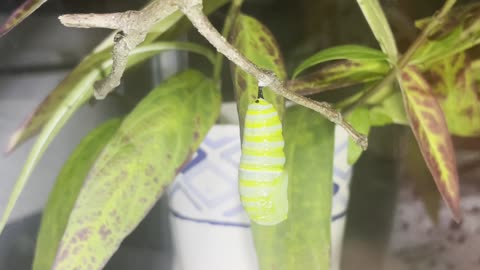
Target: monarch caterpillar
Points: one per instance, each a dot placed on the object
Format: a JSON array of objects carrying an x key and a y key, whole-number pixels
[{"x": 262, "y": 179}]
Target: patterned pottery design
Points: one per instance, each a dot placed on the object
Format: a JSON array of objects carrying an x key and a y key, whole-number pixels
[{"x": 205, "y": 193}]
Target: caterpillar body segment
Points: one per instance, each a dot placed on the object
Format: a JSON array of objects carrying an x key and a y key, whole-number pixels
[{"x": 263, "y": 181}]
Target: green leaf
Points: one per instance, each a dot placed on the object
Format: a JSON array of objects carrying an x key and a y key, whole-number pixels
[
  {"x": 377, "y": 20},
  {"x": 454, "y": 86},
  {"x": 353, "y": 53},
  {"x": 360, "y": 120},
  {"x": 458, "y": 31},
  {"x": 303, "y": 240},
  {"x": 430, "y": 128},
  {"x": 389, "y": 111},
  {"x": 257, "y": 43},
  {"x": 66, "y": 107},
  {"x": 65, "y": 192},
  {"x": 20, "y": 14},
  {"x": 82, "y": 78},
  {"x": 153, "y": 143},
  {"x": 340, "y": 74}
]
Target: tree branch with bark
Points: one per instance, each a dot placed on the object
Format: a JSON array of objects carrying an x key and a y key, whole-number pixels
[{"x": 133, "y": 27}]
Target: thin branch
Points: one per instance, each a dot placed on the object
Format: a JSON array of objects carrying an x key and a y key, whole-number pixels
[
  {"x": 134, "y": 25},
  {"x": 267, "y": 78}
]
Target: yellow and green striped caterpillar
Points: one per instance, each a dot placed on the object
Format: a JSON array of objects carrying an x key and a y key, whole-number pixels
[{"x": 263, "y": 180}]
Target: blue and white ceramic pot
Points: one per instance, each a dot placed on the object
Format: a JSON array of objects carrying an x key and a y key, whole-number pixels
[{"x": 210, "y": 229}]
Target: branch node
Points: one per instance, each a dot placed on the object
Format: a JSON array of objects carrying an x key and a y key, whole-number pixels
[{"x": 266, "y": 78}]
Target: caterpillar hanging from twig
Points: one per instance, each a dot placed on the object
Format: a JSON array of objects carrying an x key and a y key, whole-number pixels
[{"x": 263, "y": 180}]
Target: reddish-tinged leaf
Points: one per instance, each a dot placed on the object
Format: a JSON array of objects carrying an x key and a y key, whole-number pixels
[
  {"x": 430, "y": 129},
  {"x": 417, "y": 171},
  {"x": 341, "y": 73},
  {"x": 22, "y": 12}
]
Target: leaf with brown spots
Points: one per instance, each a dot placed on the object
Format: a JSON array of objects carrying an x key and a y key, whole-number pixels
[
  {"x": 135, "y": 167},
  {"x": 355, "y": 54},
  {"x": 459, "y": 31},
  {"x": 342, "y": 66},
  {"x": 339, "y": 74},
  {"x": 65, "y": 109},
  {"x": 430, "y": 128},
  {"x": 257, "y": 43},
  {"x": 91, "y": 68},
  {"x": 20, "y": 14},
  {"x": 454, "y": 86},
  {"x": 64, "y": 194}
]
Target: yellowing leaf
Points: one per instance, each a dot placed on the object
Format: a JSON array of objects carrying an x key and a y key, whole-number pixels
[
  {"x": 64, "y": 194},
  {"x": 20, "y": 14},
  {"x": 339, "y": 74},
  {"x": 90, "y": 68},
  {"x": 430, "y": 129},
  {"x": 257, "y": 43},
  {"x": 153, "y": 143},
  {"x": 64, "y": 109},
  {"x": 82, "y": 78},
  {"x": 454, "y": 86}
]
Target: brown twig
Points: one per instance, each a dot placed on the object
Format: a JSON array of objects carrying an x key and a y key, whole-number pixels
[{"x": 135, "y": 26}]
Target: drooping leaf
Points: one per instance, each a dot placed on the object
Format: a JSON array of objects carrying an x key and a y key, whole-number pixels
[
  {"x": 423, "y": 183},
  {"x": 389, "y": 111},
  {"x": 131, "y": 173},
  {"x": 454, "y": 86},
  {"x": 303, "y": 240},
  {"x": 360, "y": 120},
  {"x": 65, "y": 192},
  {"x": 377, "y": 21},
  {"x": 20, "y": 14},
  {"x": 430, "y": 128},
  {"x": 459, "y": 31},
  {"x": 65, "y": 109},
  {"x": 82, "y": 78},
  {"x": 257, "y": 43},
  {"x": 353, "y": 53}
]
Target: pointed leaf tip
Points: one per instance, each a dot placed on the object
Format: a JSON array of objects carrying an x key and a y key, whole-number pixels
[{"x": 430, "y": 129}]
